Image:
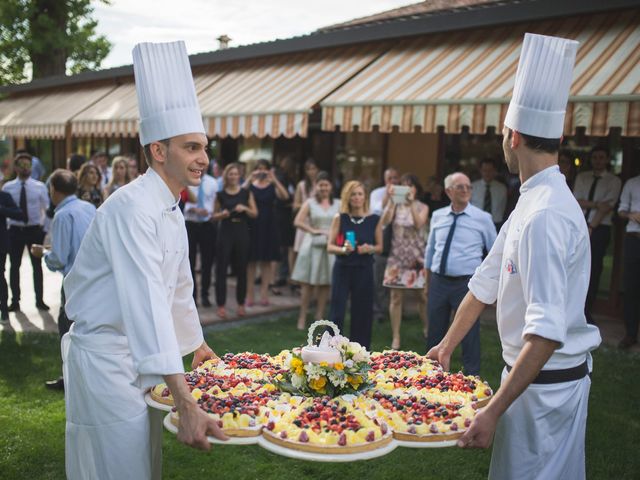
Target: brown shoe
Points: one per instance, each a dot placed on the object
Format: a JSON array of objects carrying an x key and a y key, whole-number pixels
[{"x": 627, "y": 342}]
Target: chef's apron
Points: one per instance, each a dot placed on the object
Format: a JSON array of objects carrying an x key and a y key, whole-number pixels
[
  {"x": 108, "y": 423},
  {"x": 542, "y": 434}
]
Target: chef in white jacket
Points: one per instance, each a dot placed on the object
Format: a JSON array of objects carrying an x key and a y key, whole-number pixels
[
  {"x": 129, "y": 292},
  {"x": 538, "y": 272}
]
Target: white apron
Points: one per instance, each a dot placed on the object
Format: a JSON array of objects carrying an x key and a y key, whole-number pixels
[
  {"x": 112, "y": 440},
  {"x": 541, "y": 435}
]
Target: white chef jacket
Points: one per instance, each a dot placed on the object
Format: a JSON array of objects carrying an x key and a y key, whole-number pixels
[
  {"x": 498, "y": 198},
  {"x": 607, "y": 190},
  {"x": 538, "y": 271},
  {"x": 131, "y": 279}
]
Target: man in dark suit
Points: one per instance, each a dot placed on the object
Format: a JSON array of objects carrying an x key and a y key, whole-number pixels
[{"x": 8, "y": 208}]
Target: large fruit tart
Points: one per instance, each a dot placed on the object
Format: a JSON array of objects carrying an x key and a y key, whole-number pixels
[{"x": 329, "y": 425}]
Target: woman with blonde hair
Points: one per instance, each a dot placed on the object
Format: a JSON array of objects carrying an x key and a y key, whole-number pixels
[
  {"x": 233, "y": 208},
  {"x": 354, "y": 237},
  {"x": 89, "y": 181},
  {"x": 119, "y": 175},
  {"x": 314, "y": 264}
]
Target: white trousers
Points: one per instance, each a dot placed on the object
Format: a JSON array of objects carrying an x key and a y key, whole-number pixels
[
  {"x": 541, "y": 435},
  {"x": 108, "y": 429}
]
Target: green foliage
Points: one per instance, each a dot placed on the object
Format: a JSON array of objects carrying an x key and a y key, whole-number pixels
[{"x": 40, "y": 38}]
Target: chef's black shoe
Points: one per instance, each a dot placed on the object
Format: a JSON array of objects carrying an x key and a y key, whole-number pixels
[
  {"x": 42, "y": 306},
  {"x": 57, "y": 384}
]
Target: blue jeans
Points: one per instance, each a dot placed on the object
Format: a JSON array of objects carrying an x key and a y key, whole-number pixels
[{"x": 445, "y": 296}]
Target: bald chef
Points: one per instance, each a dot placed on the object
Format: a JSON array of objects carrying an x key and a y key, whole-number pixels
[
  {"x": 538, "y": 271},
  {"x": 130, "y": 290}
]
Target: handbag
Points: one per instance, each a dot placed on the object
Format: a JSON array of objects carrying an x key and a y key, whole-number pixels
[{"x": 319, "y": 241}]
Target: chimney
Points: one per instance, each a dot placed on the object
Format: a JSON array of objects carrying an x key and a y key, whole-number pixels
[{"x": 223, "y": 41}]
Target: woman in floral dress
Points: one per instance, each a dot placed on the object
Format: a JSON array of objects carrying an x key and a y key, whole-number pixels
[{"x": 405, "y": 265}]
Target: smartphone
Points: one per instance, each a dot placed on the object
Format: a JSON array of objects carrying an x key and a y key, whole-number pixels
[
  {"x": 350, "y": 237},
  {"x": 400, "y": 193}
]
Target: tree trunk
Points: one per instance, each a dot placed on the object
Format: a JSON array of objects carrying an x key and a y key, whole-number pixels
[{"x": 49, "y": 56}]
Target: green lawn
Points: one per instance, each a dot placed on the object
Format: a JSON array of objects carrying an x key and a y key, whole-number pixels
[{"x": 32, "y": 418}]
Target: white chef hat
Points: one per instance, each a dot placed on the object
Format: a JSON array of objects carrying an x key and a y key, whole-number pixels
[
  {"x": 541, "y": 90},
  {"x": 167, "y": 99}
]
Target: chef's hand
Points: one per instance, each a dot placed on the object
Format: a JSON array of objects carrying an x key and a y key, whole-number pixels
[
  {"x": 439, "y": 354},
  {"x": 203, "y": 353},
  {"x": 480, "y": 433},
  {"x": 195, "y": 425}
]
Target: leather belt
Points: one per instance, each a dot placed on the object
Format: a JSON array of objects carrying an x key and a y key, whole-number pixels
[{"x": 546, "y": 377}]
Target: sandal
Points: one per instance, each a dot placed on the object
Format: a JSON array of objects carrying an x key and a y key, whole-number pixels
[
  {"x": 265, "y": 303},
  {"x": 241, "y": 311},
  {"x": 221, "y": 312}
]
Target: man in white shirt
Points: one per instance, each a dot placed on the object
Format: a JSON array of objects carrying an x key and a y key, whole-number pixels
[
  {"x": 629, "y": 209},
  {"x": 129, "y": 292},
  {"x": 101, "y": 160},
  {"x": 377, "y": 201},
  {"x": 597, "y": 192},
  {"x": 32, "y": 197},
  {"x": 201, "y": 231},
  {"x": 489, "y": 194},
  {"x": 536, "y": 273}
]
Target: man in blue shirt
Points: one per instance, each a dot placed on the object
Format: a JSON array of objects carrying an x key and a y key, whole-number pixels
[
  {"x": 71, "y": 220},
  {"x": 459, "y": 237}
]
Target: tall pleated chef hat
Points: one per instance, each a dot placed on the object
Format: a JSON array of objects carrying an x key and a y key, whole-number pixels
[
  {"x": 541, "y": 90},
  {"x": 167, "y": 99}
]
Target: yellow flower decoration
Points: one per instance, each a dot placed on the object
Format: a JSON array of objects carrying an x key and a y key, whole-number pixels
[
  {"x": 324, "y": 364},
  {"x": 338, "y": 366},
  {"x": 318, "y": 384},
  {"x": 296, "y": 362},
  {"x": 355, "y": 381}
]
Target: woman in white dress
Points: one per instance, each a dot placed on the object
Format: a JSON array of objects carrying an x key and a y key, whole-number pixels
[
  {"x": 304, "y": 190},
  {"x": 313, "y": 265}
]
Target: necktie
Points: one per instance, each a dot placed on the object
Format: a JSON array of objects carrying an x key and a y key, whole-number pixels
[
  {"x": 487, "y": 198},
  {"x": 447, "y": 244},
  {"x": 201, "y": 198},
  {"x": 592, "y": 192},
  {"x": 23, "y": 203}
]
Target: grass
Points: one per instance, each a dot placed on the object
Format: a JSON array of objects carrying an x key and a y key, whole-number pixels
[{"x": 32, "y": 418}]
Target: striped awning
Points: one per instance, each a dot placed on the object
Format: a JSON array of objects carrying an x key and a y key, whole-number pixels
[
  {"x": 117, "y": 113},
  {"x": 46, "y": 115},
  {"x": 465, "y": 79},
  {"x": 273, "y": 96}
]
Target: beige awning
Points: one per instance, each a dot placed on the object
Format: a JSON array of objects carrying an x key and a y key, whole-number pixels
[
  {"x": 464, "y": 79},
  {"x": 273, "y": 96},
  {"x": 46, "y": 115},
  {"x": 117, "y": 113}
]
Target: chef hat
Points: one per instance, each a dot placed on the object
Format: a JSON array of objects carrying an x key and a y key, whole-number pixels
[
  {"x": 166, "y": 95},
  {"x": 542, "y": 85}
]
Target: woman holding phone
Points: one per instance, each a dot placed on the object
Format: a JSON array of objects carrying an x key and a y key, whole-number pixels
[
  {"x": 354, "y": 237},
  {"x": 265, "y": 244},
  {"x": 405, "y": 265}
]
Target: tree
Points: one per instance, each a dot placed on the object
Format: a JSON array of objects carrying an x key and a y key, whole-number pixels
[{"x": 48, "y": 37}]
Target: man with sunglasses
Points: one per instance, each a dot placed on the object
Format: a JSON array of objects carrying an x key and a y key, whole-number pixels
[{"x": 459, "y": 236}]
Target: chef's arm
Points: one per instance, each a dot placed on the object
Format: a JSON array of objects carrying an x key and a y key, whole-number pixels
[
  {"x": 467, "y": 314},
  {"x": 533, "y": 356},
  {"x": 195, "y": 424}
]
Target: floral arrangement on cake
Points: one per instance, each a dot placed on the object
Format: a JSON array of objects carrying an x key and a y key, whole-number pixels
[{"x": 335, "y": 367}]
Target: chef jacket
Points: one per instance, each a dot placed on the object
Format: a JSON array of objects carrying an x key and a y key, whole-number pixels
[
  {"x": 131, "y": 281},
  {"x": 538, "y": 270}
]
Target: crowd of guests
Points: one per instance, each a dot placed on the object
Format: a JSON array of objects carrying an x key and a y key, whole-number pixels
[{"x": 377, "y": 250}]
